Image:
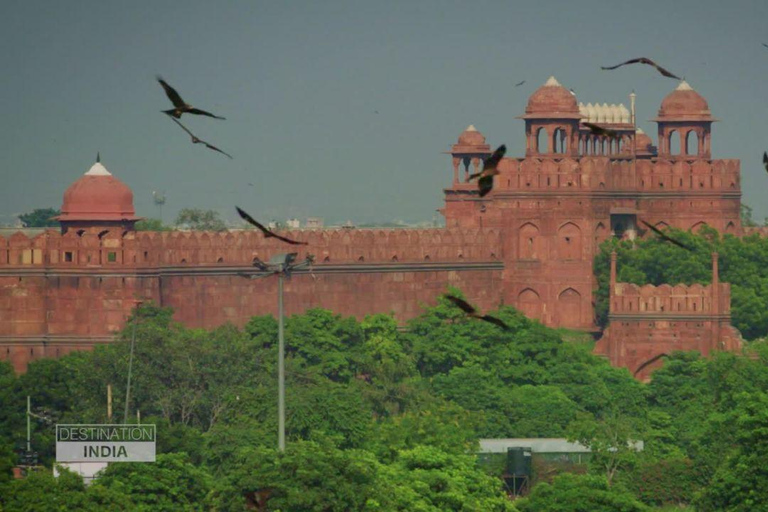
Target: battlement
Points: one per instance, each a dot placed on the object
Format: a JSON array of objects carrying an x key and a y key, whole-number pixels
[
  {"x": 115, "y": 248},
  {"x": 707, "y": 300},
  {"x": 649, "y": 322},
  {"x": 602, "y": 173},
  {"x": 628, "y": 298}
]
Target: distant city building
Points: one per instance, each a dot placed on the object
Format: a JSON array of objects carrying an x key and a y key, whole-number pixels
[
  {"x": 314, "y": 223},
  {"x": 293, "y": 223},
  {"x": 530, "y": 243}
]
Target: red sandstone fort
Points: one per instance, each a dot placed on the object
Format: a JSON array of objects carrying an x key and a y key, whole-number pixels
[{"x": 530, "y": 243}]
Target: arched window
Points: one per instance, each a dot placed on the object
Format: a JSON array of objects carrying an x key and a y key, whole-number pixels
[
  {"x": 569, "y": 308},
  {"x": 529, "y": 241},
  {"x": 697, "y": 227},
  {"x": 691, "y": 143},
  {"x": 541, "y": 140},
  {"x": 559, "y": 142},
  {"x": 529, "y": 303},
  {"x": 674, "y": 143},
  {"x": 569, "y": 242}
]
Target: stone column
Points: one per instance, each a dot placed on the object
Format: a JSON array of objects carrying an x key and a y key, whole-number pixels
[{"x": 456, "y": 162}]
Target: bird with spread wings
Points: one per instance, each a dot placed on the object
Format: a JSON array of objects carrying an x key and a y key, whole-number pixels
[
  {"x": 197, "y": 140},
  {"x": 472, "y": 312},
  {"x": 179, "y": 105},
  {"x": 599, "y": 130},
  {"x": 665, "y": 237},
  {"x": 644, "y": 60},
  {"x": 263, "y": 229},
  {"x": 490, "y": 169}
]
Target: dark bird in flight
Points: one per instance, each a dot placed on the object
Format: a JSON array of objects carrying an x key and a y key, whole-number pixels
[
  {"x": 665, "y": 237},
  {"x": 599, "y": 130},
  {"x": 643, "y": 60},
  {"x": 196, "y": 140},
  {"x": 267, "y": 233},
  {"x": 490, "y": 169},
  {"x": 766, "y": 45},
  {"x": 179, "y": 106},
  {"x": 648, "y": 363},
  {"x": 375, "y": 111},
  {"x": 765, "y": 160},
  {"x": 519, "y": 83},
  {"x": 471, "y": 311}
]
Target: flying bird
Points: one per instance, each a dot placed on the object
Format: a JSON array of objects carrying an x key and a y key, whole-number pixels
[
  {"x": 490, "y": 169},
  {"x": 519, "y": 83},
  {"x": 649, "y": 362},
  {"x": 765, "y": 160},
  {"x": 599, "y": 130},
  {"x": 196, "y": 140},
  {"x": 643, "y": 60},
  {"x": 766, "y": 45},
  {"x": 471, "y": 311},
  {"x": 573, "y": 93},
  {"x": 180, "y": 107},
  {"x": 267, "y": 233},
  {"x": 665, "y": 237}
]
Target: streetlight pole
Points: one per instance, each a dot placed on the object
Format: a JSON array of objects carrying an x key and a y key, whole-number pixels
[
  {"x": 29, "y": 414},
  {"x": 280, "y": 366},
  {"x": 282, "y": 265}
]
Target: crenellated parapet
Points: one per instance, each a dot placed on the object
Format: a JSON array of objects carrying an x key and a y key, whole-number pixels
[
  {"x": 174, "y": 248},
  {"x": 604, "y": 174},
  {"x": 649, "y": 322},
  {"x": 628, "y": 298}
]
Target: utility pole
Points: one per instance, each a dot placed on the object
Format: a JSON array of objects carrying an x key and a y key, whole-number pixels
[
  {"x": 130, "y": 362},
  {"x": 282, "y": 265},
  {"x": 109, "y": 402},
  {"x": 29, "y": 415}
]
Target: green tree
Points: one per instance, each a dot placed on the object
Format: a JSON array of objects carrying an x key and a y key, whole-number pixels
[
  {"x": 40, "y": 218},
  {"x": 308, "y": 475},
  {"x": 579, "y": 493},
  {"x": 200, "y": 220},
  {"x": 741, "y": 483},
  {"x": 41, "y": 491},
  {"x": 610, "y": 439},
  {"x": 171, "y": 483},
  {"x": 746, "y": 216},
  {"x": 430, "y": 479},
  {"x": 151, "y": 225}
]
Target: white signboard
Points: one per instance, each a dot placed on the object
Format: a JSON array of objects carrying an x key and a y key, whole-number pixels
[{"x": 105, "y": 443}]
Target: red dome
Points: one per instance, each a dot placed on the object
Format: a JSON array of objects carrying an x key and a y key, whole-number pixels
[
  {"x": 684, "y": 104},
  {"x": 552, "y": 100},
  {"x": 643, "y": 143},
  {"x": 471, "y": 137},
  {"x": 98, "y": 196}
]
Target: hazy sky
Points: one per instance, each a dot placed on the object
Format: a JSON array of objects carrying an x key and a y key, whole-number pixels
[{"x": 299, "y": 83}]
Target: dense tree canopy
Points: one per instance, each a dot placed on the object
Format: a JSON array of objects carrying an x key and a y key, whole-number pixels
[
  {"x": 200, "y": 220},
  {"x": 385, "y": 420},
  {"x": 40, "y": 218}
]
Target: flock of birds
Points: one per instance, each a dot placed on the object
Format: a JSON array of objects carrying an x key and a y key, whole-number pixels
[{"x": 484, "y": 177}]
